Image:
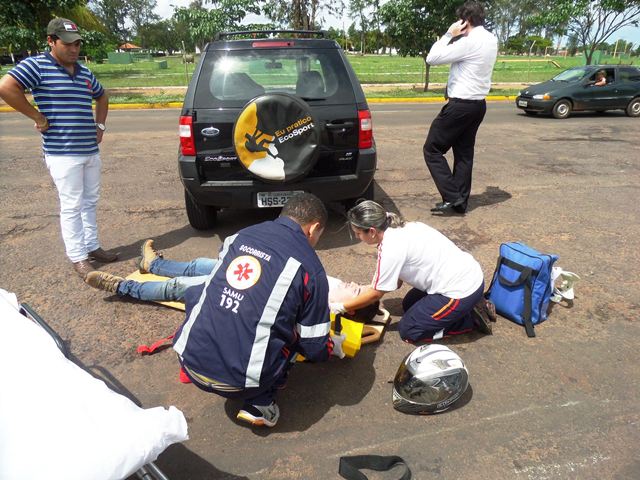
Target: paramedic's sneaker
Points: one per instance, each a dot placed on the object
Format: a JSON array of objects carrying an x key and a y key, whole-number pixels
[
  {"x": 103, "y": 281},
  {"x": 260, "y": 416},
  {"x": 481, "y": 318},
  {"x": 149, "y": 254}
]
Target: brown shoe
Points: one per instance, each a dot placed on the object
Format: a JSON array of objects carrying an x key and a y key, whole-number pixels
[
  {"x": 83, "y": 267},
  {"x": 481, "y": 319},
  {"x": 103, "y": 281},
  {"x": 491, "y": 310},
  {"x": 149, "y": 254},
  {"x": 101, "y": 256}
]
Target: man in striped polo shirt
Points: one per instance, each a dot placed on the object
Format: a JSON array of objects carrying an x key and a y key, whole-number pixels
[{"x": 64, "y": 91}]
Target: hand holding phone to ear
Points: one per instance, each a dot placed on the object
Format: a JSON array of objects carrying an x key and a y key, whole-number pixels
[{"x": 458, "y": 28}]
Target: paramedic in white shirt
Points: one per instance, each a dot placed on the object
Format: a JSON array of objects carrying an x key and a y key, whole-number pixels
[
  {"x": 471, "y": 50},
  {"x": 447, "y": 294}
]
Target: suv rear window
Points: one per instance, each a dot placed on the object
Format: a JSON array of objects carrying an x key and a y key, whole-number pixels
[{"x": 232, "y": 78}]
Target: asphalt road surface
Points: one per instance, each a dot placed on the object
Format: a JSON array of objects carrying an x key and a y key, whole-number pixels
[{"x": 561, "y": 406}]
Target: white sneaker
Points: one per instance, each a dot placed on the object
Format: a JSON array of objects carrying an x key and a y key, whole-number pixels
[{"x": 260, "y": 416}]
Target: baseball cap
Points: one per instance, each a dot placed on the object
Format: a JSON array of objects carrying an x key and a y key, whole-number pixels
[{"x": 64, "y": 29}]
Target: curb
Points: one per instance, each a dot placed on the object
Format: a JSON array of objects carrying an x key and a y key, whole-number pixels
[{"x": 140, "y": 106}]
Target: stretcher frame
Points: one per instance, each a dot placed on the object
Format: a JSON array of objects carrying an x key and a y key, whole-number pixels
[{"x": 150, "y": 471}]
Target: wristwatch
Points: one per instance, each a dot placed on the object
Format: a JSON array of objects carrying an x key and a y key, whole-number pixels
[{"x": 101, "y": 126}]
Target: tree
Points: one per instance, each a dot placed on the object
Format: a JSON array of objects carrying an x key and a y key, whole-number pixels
[
  {"x": 162, "y": 35},
  {"x": 509, "y": 18},
  {"x": 202, "y": 24},
  {"x": 414, "y": 25},
  {"x": 591, "y": 21},
  {"x": 141, "y": 14},
  {"x": 113, "y": 14},
  {"x": 358, "y": 12},
  {"x": 301, "y": 14},
  {"x": 24, "y": 23},
  {"x": 96, "y": 45}
]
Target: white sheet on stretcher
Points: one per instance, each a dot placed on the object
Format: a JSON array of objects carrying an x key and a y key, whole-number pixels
[{"x": 59, "y": 422}]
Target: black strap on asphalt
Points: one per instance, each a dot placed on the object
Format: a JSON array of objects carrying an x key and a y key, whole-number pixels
[
  {"x": 526, "y": 275},
  {"x": 350, "y": 466}
]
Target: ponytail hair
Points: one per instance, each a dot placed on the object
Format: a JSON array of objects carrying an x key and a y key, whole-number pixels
[{"x": 370, "y": 214}]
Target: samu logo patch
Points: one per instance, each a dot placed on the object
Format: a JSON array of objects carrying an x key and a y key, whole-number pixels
[{"x": 243, "y": 272}]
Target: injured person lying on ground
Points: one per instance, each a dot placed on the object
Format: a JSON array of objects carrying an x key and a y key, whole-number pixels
[{"x": 182, "y": 275}]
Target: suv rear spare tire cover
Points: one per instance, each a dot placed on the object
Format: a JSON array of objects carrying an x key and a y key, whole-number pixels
[{"x": 276, "y": 137}]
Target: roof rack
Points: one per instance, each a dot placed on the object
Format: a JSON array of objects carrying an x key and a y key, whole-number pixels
[{"x": 267, "y": 33}]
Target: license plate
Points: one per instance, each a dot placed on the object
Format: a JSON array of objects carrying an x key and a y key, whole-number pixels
[
  {"x": 274, "y": 199},
  {"x": 522, "y": 103}
]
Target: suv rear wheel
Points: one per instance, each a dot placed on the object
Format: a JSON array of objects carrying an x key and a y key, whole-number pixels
[
  {"x": 201, "y": 217},
  {"x": 366, "y": 195}
]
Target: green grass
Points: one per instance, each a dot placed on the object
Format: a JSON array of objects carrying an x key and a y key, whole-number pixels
[
  {"x": 432, "y": 92},
  {"x": 144, "y": 74},
  {"x": 143, "y": 98},
  {"x": 370, "y": 94},
  {"x": 371, "y": 69}
]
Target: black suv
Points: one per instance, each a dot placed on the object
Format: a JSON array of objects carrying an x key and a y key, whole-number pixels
[{"x": 264, "y": 118}]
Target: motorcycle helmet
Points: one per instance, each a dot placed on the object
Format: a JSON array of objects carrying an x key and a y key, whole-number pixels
[{"x": 429, "y": 380}]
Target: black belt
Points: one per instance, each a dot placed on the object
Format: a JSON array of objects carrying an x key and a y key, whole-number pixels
[{"x": 464, "y": 100}]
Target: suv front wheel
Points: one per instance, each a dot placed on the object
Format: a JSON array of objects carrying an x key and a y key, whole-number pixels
[{"x": 201, "y": 217}]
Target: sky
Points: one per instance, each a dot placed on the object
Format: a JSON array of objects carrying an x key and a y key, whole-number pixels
[{"x": 164, "y": 8}]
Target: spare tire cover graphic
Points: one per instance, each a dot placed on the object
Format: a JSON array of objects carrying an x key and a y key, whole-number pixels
[{"x": 276, "y": 138}]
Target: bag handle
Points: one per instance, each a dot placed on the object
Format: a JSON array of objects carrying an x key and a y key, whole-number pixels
[
  {"x": 525, "y": 272},
  {"x": 350, "y": 466},
  {"x": 525, "y": 278}
]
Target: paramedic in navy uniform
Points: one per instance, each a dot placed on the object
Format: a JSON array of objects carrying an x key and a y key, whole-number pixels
[
  {"x": 471, "y": 50},
  {"x": 64, "y": 90},
  {"x": 264, "y": 301}
]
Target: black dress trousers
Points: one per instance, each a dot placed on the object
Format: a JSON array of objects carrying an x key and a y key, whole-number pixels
[{"x": 454, "y": 128}]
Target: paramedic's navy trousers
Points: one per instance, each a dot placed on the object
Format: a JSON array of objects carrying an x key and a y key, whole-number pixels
[
  {"x": 430, "y": 317},
  {"x": 454, "y": 128}
]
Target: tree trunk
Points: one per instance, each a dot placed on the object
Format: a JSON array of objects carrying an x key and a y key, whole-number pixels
[
  {"x": 426, "y": 74},
  {"x": 589, "y": 55}
]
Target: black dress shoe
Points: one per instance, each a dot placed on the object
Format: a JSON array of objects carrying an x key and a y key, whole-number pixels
[{"x": 448, "y": 206}]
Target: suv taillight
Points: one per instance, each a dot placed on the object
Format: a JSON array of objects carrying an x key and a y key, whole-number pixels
[
  {"x": 365, "y": 134},
  {"x": 187, "y": 142}
]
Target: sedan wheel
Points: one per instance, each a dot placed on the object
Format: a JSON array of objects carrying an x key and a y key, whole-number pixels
[
  {"x": 561, "y": 109},
  {"x": 633, "y": 109}
]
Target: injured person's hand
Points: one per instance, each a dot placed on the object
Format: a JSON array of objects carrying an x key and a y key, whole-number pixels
[{"x": 336, "y": 308}]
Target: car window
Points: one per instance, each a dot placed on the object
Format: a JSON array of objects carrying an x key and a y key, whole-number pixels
[
  {"x": 571, "y": 75},
  {"x": 610, "y": 75},
  {"x": 231, "y": 78},
  {"x": 629, "y": 74}
]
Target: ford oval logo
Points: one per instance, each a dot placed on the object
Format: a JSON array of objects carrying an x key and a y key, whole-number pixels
[{"x": 210, "y": 131}]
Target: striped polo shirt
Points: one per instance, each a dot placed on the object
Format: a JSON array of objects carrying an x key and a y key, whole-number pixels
[{"x": 65, "y": 100}]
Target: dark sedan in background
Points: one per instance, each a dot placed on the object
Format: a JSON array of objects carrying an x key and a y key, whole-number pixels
[{"x": 575, "y": 90}]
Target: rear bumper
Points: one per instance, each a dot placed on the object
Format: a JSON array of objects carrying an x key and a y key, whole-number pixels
[{"x": 242, "y": 193}]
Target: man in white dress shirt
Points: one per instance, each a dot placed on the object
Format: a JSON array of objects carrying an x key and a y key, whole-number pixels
[{"x": 471, "y": 50}]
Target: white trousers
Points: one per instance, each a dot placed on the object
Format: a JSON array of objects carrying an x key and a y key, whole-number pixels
[{"x": 77, "y": 178}]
